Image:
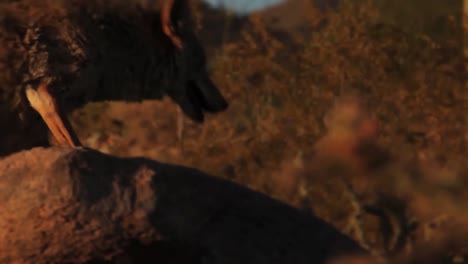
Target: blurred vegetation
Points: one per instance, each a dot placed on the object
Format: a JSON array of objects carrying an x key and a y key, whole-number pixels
[
  {"x": 437, "y": 18},
  {"x": 362, "y": 122}
]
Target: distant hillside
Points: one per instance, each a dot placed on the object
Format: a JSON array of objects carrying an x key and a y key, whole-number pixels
[
  {"x": 221, "y": 26},
  {"x": 287, "y": 16},
  {"x": 428, "y": 16},
  {"x": 218, "y": 26}
]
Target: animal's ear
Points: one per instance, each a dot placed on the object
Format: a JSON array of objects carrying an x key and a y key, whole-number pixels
[
  {"x": 175, "y": 17},
  {"x": 176, "y": 12}
]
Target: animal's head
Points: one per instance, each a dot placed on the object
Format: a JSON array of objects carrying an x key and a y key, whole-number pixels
[{"x": 197, "y": 90}]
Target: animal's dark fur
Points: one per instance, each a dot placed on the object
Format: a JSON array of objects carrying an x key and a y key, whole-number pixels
[{"x": 96, "y": 51}]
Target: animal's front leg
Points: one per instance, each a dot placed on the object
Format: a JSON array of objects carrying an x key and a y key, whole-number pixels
[{"x": 52, "y": 113}]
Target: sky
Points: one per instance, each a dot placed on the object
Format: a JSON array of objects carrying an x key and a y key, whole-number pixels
[{"x": 243, "y": 6}]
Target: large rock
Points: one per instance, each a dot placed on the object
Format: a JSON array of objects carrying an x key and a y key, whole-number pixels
[{"x": 62, "y": 205}]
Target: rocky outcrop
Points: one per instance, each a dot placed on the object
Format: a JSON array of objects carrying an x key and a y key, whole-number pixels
[{"x": 63, "y": 205}]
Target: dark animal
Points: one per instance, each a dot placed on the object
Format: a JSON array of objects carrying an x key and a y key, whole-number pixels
[{"x": 56, "y": 56}]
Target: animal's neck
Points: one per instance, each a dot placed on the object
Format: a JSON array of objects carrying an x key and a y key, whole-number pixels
[
  {"x": 109, "y": 55},
  {"x": 135, "y": 80},
  {"x": 127, "y": 59}
]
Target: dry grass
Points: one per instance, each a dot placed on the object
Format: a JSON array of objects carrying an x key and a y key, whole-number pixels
[{"x": 363, "y": 123}]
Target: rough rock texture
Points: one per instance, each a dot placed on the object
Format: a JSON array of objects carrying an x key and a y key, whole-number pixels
[{"x": 62, "y": 205}]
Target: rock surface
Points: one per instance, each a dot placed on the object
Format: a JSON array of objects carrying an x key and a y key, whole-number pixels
[{"x": 62, "y": 205}]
